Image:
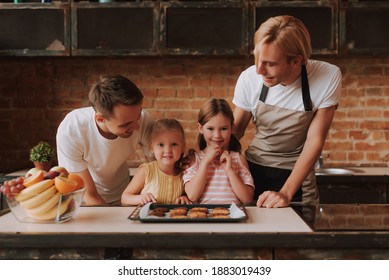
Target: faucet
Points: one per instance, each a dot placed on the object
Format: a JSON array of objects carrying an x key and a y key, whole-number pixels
[{"x": 319, "y": 163}]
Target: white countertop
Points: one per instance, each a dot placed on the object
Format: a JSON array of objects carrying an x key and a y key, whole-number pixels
[
  {"x": 115, "y": 220},
  {"x": 358, "y": 171}
]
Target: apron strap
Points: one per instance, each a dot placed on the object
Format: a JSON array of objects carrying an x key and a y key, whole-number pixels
[
  {"x": 304, "y": 88},
  {"x": 263, "y": 95}
]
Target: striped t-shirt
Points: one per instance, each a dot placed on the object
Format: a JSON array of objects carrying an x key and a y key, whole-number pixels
[{"x": 218, "y": 189}]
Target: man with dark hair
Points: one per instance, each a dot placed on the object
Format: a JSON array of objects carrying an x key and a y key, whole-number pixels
[{"x": 96, "y": 142}]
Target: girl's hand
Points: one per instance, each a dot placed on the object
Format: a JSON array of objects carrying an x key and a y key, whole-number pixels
[
  {"x": 146, "y": 198},
  {"x": 182, "y": 200},
  {"x": 212, "y": 152},
  {"x": 225, "y": 161}
]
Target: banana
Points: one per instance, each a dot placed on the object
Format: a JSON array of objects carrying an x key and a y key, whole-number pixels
[
  {"x": 52, "y": 213},
  {"x": 45, "y": 206},
  {"x": 34, "y": 189},
  {"x": 39, "y": 198}
]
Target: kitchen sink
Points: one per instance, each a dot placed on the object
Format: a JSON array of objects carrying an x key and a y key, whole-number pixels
[{"x": 333, "y": 171}]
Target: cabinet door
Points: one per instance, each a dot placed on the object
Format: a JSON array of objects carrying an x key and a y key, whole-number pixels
[
  {"x": 373, "y": 193},
  {"x": 364, "y": 27},
  {"x": 35, "y": 29},
  {"x": 320, "y": 18},
  {"x": 204, "y": 28},
  {"x": 124, "y": 28}
]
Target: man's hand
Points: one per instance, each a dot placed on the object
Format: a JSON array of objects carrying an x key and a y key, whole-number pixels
[{"x": 271, "y": 199}]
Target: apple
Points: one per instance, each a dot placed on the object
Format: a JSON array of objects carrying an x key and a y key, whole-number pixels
[
  {"x": 61, "y": 170},
  {"x": 51, "y": 174},
  {"x": 31, "y": 172}
]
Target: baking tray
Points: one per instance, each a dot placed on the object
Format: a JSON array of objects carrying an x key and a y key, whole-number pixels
[{"x": 135, "y": 214}]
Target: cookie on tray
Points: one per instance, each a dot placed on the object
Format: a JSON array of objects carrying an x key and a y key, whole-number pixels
[
  {"x": 178, "y": 211},
  {"x": 199, "y": 209},
  {"x": 179, "y": 216},
  {"x": 220, "y": 211},
  {"x": 218, "y": 216},
  {"x": 157, "y": 212},
  {"x": 197, "y": 214}
]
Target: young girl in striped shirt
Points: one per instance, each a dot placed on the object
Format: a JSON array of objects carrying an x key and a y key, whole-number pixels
[
  {"x": 219, "y": 174},
  {"x": 160, "y": 181}
]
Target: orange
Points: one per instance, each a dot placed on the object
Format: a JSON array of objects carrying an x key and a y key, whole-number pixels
[
  {"x": 34, "y": 178},
  {"x": 78, "y": 179},
  {"x": 65, "y": 185}
]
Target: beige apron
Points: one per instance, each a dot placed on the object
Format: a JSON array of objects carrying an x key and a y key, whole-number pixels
[{"x": 280, "y": 138}]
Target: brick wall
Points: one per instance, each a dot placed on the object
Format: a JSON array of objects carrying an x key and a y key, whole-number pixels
[{"x": 36, "y": 93}]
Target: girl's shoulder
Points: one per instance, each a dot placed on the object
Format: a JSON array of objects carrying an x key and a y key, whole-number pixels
[
  {"x": 148, "y": 166},
  {"x": 238, "y": 158},
  {"x": 199, "y": 155}
]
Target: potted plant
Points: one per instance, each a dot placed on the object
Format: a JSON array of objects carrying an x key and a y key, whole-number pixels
[{"x": 41, "y": 155}]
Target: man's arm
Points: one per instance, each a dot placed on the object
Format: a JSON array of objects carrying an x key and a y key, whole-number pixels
[
  {"x": 69, "y": 153},
  {"x": 242, "y": 119},
  {"x": 91, "y": 196}
]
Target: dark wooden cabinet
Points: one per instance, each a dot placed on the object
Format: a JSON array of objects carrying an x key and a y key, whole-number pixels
[
  {"x": 198, "y": 28},
  {"x": 353, "y": 189},
  {"x": 115, "y": 28},
  {"x": 364, "y": 27},
  {"x": 35, "y": 29},
  {"x": 320, "y": 18},
  {"x": 218, "y": 27},
  {"x": 356, "y": 193}
]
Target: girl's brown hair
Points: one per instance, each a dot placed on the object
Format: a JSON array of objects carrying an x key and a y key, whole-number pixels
[{"x": 210, "y": 109}]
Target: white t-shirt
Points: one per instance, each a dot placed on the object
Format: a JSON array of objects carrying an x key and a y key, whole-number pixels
[
  {"x": 80, "y": 146},
  {"x": 324, "y": 81}
]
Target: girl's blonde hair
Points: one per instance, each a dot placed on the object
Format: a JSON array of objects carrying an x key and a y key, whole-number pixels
[
  {"x": 163, "y": 125},
  {"x": 210, "y": 109}
]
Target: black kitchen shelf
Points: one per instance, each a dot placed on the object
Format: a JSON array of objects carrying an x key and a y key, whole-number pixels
[
  {"x": 35, "y": 29},
  {"x": 125, "y": 28},
  {"x": 320, "y": 18},
  {"x": 204, "y": 28},
  {"x": 363, "y": 27},
  {"x": 164, "y": 28}
]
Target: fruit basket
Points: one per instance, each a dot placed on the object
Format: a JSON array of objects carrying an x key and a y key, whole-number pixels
[
  {"x": 44, "y": 197},
  {"x": 58, "y": 208}
]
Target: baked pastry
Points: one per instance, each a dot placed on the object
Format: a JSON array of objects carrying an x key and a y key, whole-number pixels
[
  {"x": 178, "y": 211},
  {"x": 157, "y": 212},
  {"x": 161, "y": 209},
  {"x": 218, "y": 216},
  {"x": 179, "y": 216},
  {"x": 197, "y": 214},
  {"x": 220, "y": 211},
  {"x": 199, "y": 209}
]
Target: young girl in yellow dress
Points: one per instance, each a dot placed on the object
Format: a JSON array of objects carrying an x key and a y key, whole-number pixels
[{"x": 160, "y": 181}]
